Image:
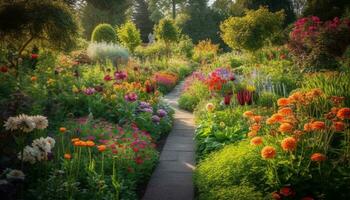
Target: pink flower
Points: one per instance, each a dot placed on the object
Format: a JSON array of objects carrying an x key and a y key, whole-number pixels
[
  {"x": 130, "y": 97},
  {"x": 107, "y": 78}
]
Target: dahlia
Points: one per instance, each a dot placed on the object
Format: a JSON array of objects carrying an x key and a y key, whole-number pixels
[
  {"x": 268, "y": 152},
  {"x": 256, "y": 141},
  {"x": 289, "y": 144}
]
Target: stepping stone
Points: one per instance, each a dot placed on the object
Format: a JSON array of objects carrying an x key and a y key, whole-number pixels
[{"x": 172, "y": 179}]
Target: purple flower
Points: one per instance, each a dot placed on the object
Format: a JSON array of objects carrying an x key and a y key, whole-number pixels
[
  {"x": 161, "y": 113},
  {"x": 155, "y": 119},
  {"x": 130, "y": 97},
  {"x": 120, "y": 75},
  {"x": 147, "y": 110},
  {"x": 144, "y": 105},
  {"x": 89, "y": 91}
]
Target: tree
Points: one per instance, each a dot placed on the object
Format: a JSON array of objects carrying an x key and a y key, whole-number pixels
[
  {"x": 161, "y": 8},
  {"x": 129, "y": 35},
  {"x": 251, "y": 31},
  {"x": 326, "y": 9},
  {"x": 201, "y": 24},
  {"x": 141, "y": 17},
  {"x": 46, "y": 23},
  {"x": 167, "y": 32},
  {"x": 104, "y": 33},
  {"x": 273, "y": 5},
  {"x": 114, "y": 12}
]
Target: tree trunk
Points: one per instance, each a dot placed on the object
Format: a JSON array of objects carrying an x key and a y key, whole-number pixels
[{"x": 174, "y": 9}]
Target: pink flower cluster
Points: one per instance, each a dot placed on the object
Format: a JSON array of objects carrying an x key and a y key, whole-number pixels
[{"x": 195, "y": 76}]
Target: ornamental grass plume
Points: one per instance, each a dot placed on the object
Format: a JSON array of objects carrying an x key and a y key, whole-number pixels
[
  {"x": 268, "y": 152},
  {"x": 256, "y": 141},
  {"x": 318, "y": 157},
  {"x": 289, "y": 144},
  {"x": 343, "y": 113}
]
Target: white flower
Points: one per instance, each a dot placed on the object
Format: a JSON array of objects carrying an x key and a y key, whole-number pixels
[
  {"x": 51, "y": 141},
  {"x": 15, "y": 175},
  {"x": 42, "y": 144},
  {"x": 40, "y": 122},
  {"x": 11, "y": 123},
  {"x": 25, "y": 123},
  {"x": 3, "y": 182},
  {"x": 29, "y": 154}
]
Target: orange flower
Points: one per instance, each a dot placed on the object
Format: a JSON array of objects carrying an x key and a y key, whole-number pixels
[
  {"x": 248, "y": 114},
  {"x": 289, "y": 144},
  {"x": 252, "y": 134},
  {"x": 33, "y": 78},
  {"x": 67, "y": 156},
  {"x": 318, "y": 125},
  {"x": 256, "y": 141},
  {"x": 90, "y": 143},
  {"x": 276, "y": 196},
  {"x": 285, "y": 128},
  {"x": 277, "y": 117},
  {"x": 63, "y": 129},
  {"x": 338, "y": 126},
  {"x": 268, "y": 152},
  {"x": 296, "y": 97},
  {"x": 318, "y": 157},
  {"x": 75, "y": 139},
  {"x": 257, "y": 118},
  {"x": 343, "y": 113},
  {"x": 307, "y": 127},
  {"x": 298, "y": 133},
  {"x": 255, "y": 127},
  {"x": 101, "y": 148},
  {"x": 270, "y": 121},
  {"x": 283, "y": 102},
  {"x": 315, "y": 92},
  {"x": 285, "y": 111}
]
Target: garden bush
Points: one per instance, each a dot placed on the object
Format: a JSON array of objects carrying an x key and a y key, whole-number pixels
[
  {"x": 104, "y": 33},
  {"x": 241, "y": 192},
  {"x": 205, "y": 51},
  {"x": 194, "y": 93},
  {"x": 103, "y": 52},
  {"x": 129, "y": 35}
]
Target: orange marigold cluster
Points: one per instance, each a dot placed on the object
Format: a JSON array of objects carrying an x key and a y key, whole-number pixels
[
  {"x": 289, "y": 144},
  {"x": 286, "y": 128}
]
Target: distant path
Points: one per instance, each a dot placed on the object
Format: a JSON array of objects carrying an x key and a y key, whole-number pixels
[{"x": 172, "y": 179}]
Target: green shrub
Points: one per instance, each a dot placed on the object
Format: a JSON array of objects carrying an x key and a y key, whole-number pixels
[
  {"x": 129, "y": 35},
  {"x": 104, "y": 33},
  {"x": 103, "y": 51},
  {"x": 167, "y": 31},
  {"x": 194, "y": 94},
  {"x": 153, "y": 51},
  {"x": 230, "y": 167},
  {"x": 267, "y": 99},
  {"x": 205, "y": 51},
  {"x": 251, "y": 31},
  {"x": 185, "y": 47},
  {"x": 241, "y": 192}
]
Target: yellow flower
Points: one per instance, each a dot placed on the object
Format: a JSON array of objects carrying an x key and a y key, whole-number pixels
[
  {"x": 75, "y": 89},
  {"x": 50, "y": 81}
]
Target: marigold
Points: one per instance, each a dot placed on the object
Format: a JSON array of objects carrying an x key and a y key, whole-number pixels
[
  {"x": 33, "y": 78},
  {"x": 67, "y": 156},
  {"x": 256, "y": 141},
  {"x": 318, "y": 157},
  {"x": 307, "y": 127},
  {"x": 252, "y": 134},
  {"x": 255, "y": 127},
  {"x": 289, "y": 144},
  {"x": 277, "y": 117},
  {"x": 75, "y": 139},
  {"x": 286, "y": 128},
  {"x": 285, "y": 111},
  {"x": 343, "y": 113},
  {"x": 79, "y": 143},
  {"x": 90, "y": 143},
  {"x": 268, "y": 152},
  {"x": 101, "y": 148},
  {"x": 318, "y": 125},
  {"x": 63, "y": 129},
  {"x": 283, "y": 102},
  {"x": 248, "y": 114},
  {"x": 296, "y": 97},
  {"x": 338, "y": 126},
  {"x": 257, "y": 118}
]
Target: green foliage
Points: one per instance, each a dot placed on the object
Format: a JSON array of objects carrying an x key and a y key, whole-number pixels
[
  {"x": 253, "y": 30},
  {"x": 167, "y": 31},
  {"x": 205, "y": 51},
  {"x": 232, "y": 166},
  {"x": 326, "y": 9},
  {"x": 142, "y": 19},
  {"x": 185, "y": 47},
  {"x": 240, "y": 192},
  {"x": 40, "y": 22},
  {"x": 104, "y": 33},
  {"x": 129, "y": 35},
  {"x": 151, "y": 52},
  {"x": 190, "y": 98},
  {"x": 267, "y": 99}
]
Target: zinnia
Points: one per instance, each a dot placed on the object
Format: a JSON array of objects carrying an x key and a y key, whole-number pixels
[
  {"x": 257, "y": 118},
  {"x": 318, "y": 157},
  {"x": 289, "y": 144},
  {"x": 338, "y": 126},
  {"x": 285, "y": 111},
  {"x": 268, "y": 152},
  {"x": 255, "y": 127},
  {"x": 318, "y": 125},
  {"x": 256, "y": 141},
  {"x": 343, "y": 113},
  {"x": 210, "y": 107},
  {"x": 67, "y": 156},
  {"x": 283, "y": 102},
  {"x": 285, "y": 128},
  {"x": 101, "y": 148}
]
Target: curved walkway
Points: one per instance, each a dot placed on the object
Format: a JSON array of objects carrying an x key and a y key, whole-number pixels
[{"x": 172, "y": 179}]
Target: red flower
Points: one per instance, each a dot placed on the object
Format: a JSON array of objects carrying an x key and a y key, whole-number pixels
[
  {"x": 3, "y": 69},
  {"x": 286, "y": 191},
  {"x": 34, "y": 56},
  {"x": 227, "y": 99},
  {"x": 107, "y": 78},
  {"x": 307, "y": 198},
  {"x": 135, "y": 149},
  {"x": 318, "y": 157},
  {"x": 139, "y": 160}
]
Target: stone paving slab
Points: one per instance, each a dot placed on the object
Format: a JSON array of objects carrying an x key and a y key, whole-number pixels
[{"x": 172, "y": 179}]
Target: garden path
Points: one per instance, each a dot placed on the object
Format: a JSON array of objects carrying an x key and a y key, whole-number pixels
[{"x": 172, "y": 179}]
